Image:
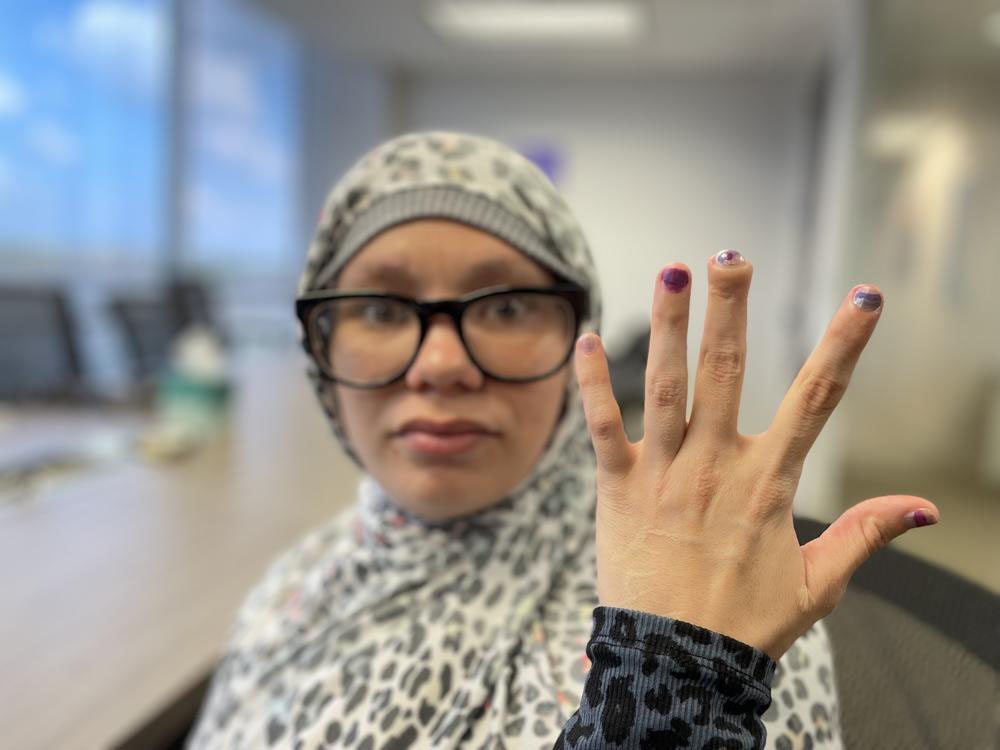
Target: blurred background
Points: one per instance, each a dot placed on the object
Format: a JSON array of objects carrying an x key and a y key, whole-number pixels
[{"x": 162, "y": 167}]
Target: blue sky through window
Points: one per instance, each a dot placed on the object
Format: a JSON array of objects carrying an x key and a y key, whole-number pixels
[
  {"x": 241, "y": 194},
  {"x": 84, "y": 132},
  {"x": 81, "y": 126}
]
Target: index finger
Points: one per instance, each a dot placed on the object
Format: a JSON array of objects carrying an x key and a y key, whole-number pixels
[
  {"x": 604, "y": 418},
  {"x": 823, "y": 379}
]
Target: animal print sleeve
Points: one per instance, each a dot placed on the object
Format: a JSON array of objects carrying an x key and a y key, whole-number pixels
[{"x": 656, "y": 682}]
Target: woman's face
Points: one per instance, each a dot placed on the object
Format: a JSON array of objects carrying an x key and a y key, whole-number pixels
[{"x": 433, "y": 259}]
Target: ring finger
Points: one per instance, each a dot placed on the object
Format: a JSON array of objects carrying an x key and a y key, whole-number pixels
[{"x": 822, "y": 381}]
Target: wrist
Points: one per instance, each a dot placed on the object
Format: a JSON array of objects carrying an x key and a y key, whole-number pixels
[{"x": 706, "y": 654}]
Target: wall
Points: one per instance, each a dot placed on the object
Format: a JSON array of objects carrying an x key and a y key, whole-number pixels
[
  {"x": 929, "y": 230},
  {"x": 347, "y": 109}
]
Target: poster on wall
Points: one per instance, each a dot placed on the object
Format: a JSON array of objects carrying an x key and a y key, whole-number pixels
[{"x": 547, "y": 156}]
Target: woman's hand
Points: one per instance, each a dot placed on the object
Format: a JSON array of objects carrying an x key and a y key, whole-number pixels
[{"x": 694, "y": 521}]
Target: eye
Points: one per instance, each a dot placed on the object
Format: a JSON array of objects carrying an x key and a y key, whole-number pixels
[
  {"x": 507, "y": 308},
  {"x": 384, "y": 312},
  {"x": 378, "y": 312}
]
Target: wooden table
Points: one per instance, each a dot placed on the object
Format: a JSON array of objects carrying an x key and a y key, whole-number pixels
[{"x": 119, "y": 585}]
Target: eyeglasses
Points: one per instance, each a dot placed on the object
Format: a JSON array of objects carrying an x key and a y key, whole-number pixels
[{"x": 366, "y": 339}]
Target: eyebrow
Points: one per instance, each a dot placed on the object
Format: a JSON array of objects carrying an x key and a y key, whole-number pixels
[{"x": 481, "y": 274}]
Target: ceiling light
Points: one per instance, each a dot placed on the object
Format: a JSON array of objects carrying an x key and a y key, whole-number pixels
[
  {"x": 991, "y": 27},
  {"x": 558, "y": 21},
  {"x": 897, "y": 134}
]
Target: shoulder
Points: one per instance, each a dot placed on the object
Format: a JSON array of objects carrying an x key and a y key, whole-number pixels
[{"x": 279, "y": 593}]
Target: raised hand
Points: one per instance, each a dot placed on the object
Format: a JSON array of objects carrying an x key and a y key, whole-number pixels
[{"x": 694, "y": 521}]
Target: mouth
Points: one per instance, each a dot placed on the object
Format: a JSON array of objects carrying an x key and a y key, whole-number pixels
[
  {"x": 438, "y": 444},
  {"x": 426, "y": 437}
]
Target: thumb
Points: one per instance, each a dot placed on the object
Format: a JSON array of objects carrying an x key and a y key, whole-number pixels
[{"x": 833, "y": 557}]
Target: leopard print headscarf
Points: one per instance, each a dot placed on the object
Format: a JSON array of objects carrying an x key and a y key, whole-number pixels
[{"x": 381, "y": 630}]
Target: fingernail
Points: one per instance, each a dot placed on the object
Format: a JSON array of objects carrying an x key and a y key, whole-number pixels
[
  {"x": 675, "y": 279},
  {"x": 729, "y": 258},
  {"x": 588, "y": 343},
  {"x": 919, "y": 518},
  {"x": 867, "y": 299}
]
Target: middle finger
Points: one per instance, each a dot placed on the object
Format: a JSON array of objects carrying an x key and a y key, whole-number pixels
[{"x": 722, "y": 359}]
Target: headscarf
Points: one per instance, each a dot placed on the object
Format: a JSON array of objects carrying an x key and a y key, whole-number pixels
[{"x": 383, "y": 630}]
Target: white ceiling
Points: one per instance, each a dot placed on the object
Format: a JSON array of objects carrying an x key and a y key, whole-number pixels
[
  {"x": 702, "y": 35},
  {"x": 698, "y": 35}
]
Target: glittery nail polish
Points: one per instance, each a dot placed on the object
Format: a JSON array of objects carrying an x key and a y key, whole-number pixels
[
  {"x": 729, "y": 258},
  {"x": 675, "y": 279},
  {"x": 867, "y": 299}
]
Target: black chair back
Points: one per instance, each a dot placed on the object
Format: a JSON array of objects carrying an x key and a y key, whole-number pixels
[
  {"x": 148, "y": 327},
  {"x": 39, "y": 357},
  {"x": 916, "y": 654},
  {"x": 149, "y": 324}
]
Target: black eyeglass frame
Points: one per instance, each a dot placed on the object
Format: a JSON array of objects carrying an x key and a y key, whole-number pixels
[{"x": 307, "y": 303}]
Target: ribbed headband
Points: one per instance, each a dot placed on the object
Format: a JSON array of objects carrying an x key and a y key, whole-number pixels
[{"x": 471, "y": 179}]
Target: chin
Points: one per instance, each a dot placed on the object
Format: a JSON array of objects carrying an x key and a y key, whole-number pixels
[{"x": 437, "y": 496}]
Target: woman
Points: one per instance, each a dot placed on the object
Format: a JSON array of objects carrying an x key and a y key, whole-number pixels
[{"x": 452, "y": 607}]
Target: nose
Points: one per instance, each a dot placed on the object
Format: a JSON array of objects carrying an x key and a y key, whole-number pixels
[{"x": 442, "y": 360}]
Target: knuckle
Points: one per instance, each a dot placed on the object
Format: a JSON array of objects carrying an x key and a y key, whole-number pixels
[
  {"x": 706, "y": 482},
  {"x": 825, "y": 602},
  {"x": 820, "y": 395},
  {"x": 769, "y": 495},
  {"x": 670, "y": 319},
  {"x": 662, "y": 485},
  {"x": 786, "y": 481},
  {"x": 604, "y": 428},
  {"x": 613, "y": 489},
  {"x": 666, "y": 392},
  {"x": 728, "y": 290},
  {"x": 875, "y": 535},
  {"x": 723, "y": 366}
]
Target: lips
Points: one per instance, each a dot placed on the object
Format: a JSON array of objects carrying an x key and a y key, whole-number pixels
[
  {"x": 428, "y": 438},
  {"x": 450, "y": 427}
]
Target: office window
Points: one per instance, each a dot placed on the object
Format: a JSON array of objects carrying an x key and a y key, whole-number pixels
[
  {"x": 240, "y": 192},
  {"x": 82, "y": 133}
]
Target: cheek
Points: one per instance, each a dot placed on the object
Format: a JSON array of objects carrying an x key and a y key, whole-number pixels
[
  {"x": 359, "y": 414},
  {"x": 538, "y": 409}
]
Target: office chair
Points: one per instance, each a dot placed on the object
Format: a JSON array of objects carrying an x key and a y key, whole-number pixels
[
  {"x": 39, "y": 355},
  {"x": 149, "y": 324},
  {"x": 916, "y": 654}
]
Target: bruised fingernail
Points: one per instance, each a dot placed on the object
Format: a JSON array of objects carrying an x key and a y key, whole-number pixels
[
  {"x": 919, "y": 518},
  {"x": 675, "y": 279},
  {"x": 867, "y": 299},
  {"x": 729, "y": 258},
  {"x": 588, "y": 343}
]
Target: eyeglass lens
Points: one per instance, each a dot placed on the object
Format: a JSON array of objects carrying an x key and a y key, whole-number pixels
[{"x": 511, "y": 335}]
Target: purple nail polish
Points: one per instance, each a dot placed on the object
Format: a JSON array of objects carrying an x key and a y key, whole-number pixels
[
  {"x": 729, "y": 258},
  {"x": 867, "y": 299},
  {"x": 588, "y": 344},
  {"x": 675, "y": 279},
  {"x": 919, "y": 518}
]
